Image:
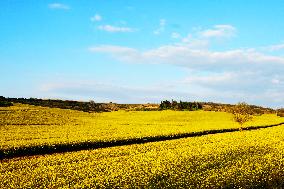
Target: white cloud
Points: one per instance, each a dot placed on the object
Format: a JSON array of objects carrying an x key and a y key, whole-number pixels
[
  {"x": 219, "y": 31},
  {"x": 106, "y": 92},
  {"x": 211, "y": 79},
  {"x": 122, "y": 53},
  {"x": 194, "y": 42},
  {"x": 96, "y": 18},
  {"x": 224, "y": 76},
  {"x": 275, "y": 81},
  {"x": 197, "y": 59},
  {"x": 161, "y": 28},
  {"x": 230, "y": 76},
  {"x": 245, "y": 81},
  {"x": 115, "y": 50},
  {"x": 187, "y": 39},
  {"x": 58, "y": 6},
  {"x": 226, "y": 87},
  {"x": 202, "y": 38},
  {"x": 275, "y": 47},
  {"x": 255, "y": 87},
  {"x": 175, "y": 35},
  {"x": 194, "y": 53},
  {"x": 113, "y": 29}
]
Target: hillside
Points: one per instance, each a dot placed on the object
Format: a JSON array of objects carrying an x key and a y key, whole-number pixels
[
  {"x": 92, "y": 106},
  {"x": 42, "y": 147}
]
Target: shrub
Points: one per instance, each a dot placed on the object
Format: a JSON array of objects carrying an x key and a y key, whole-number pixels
[
  {"x": 280, "y": 112},
  {"x": 165, "y": 105},
  {"x": 174, "y": 105},
  {"x": 242, "y": 113}
]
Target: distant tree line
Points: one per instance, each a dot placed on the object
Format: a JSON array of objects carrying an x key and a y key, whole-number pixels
[
  {"x": 90, "y": 106},
  {"x": 4, "y": 102},
  {"x": 174, "y": 105}
]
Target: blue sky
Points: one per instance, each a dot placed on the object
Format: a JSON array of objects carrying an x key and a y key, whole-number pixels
[{"x": 143, "y": 51}]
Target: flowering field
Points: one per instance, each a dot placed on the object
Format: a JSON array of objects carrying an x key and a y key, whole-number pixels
[
  {"x": 248, "y": 159},
  {"x": 25, "y": 125},
  {"x": 245, "y": 159}
]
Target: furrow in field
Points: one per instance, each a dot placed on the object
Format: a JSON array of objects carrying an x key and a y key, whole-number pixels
[{"x": 86, "y": 145}]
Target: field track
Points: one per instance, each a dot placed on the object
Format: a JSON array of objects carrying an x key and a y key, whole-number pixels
[{"x": 87, "y": 145}]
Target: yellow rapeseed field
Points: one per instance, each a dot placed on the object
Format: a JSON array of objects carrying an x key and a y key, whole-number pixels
[
  {"x": 25, "y": 125},
  {"x": 247, "y": 159},
  {"x": 244, "y": 159}
]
